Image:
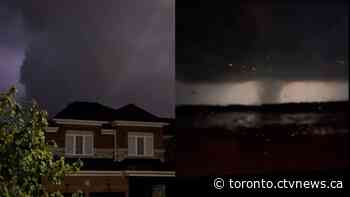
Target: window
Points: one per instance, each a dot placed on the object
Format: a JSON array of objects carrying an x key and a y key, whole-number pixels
[
  {"x": 158, "y": 190},
  {"x": 79, "y": 143},
  {"x": 140, "y": 144}
]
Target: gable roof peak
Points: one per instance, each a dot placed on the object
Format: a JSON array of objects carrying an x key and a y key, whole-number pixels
[{"x": 83, "y": 110}]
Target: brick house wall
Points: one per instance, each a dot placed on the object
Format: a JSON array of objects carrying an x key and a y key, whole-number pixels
[{"x": 104, "y": 143}]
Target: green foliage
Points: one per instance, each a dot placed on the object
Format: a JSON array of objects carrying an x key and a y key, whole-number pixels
[{"x": 25, "y": 156}]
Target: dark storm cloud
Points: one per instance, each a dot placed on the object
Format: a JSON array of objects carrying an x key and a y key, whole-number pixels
[
  {"x": 11, "y": 33},
  {"x": 13, "y": 39},
  {"x": 273, "y": 44},
  {"x": 112, "y": 52},
  {"x": 294, "y": 41}
]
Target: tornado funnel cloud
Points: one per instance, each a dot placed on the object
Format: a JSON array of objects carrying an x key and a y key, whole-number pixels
[{"x": 269, "y": 91}]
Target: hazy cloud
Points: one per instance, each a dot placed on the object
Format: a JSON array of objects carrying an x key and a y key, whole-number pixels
[{"x": 112, "y": 52}]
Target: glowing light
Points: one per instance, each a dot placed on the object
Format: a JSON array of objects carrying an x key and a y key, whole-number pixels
[
  {"x": 249, "y": 93},
  {"x": 311, "y": 91},
  {"x": 245, "y": 93}
]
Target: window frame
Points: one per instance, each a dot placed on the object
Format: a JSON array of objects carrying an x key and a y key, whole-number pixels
[
  {"x": 144, "y": 136},
  {"x": 83, "y": 135},
  {"x": 138, "y": 146}
]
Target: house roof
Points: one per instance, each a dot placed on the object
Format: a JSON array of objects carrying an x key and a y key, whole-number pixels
[
  {"x": 98, "y": 112},
  {"x": 135, "y": 113},
  {"x": 86, "y": 111}
]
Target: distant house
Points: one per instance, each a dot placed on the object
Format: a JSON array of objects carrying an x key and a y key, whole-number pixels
[{"x": 124, "y": 150}]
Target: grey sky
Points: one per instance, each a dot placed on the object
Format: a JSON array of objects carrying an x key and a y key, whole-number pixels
[{"x": 112, "y": 52}]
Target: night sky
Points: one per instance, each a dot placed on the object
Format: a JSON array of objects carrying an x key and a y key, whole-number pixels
[
  {"x": 117, "y": 52},
  {"x": 114, "y": 52},
  {"x": 254, "y": 53}
]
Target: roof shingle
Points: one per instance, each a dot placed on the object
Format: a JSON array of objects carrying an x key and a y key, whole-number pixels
[{"x": 98, "y": 112}]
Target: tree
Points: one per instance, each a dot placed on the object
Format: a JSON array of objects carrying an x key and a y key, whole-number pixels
[{"x": 25, "y": 157}]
